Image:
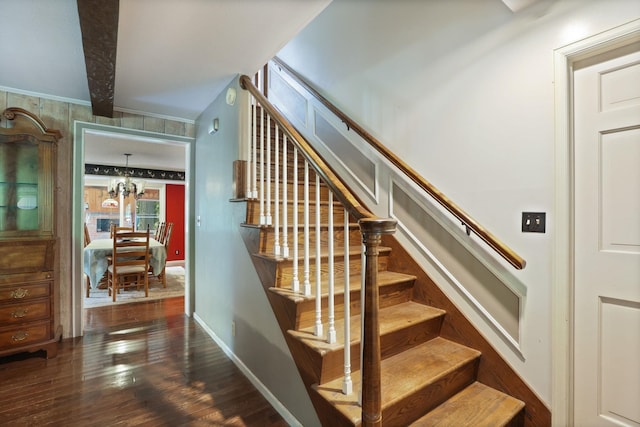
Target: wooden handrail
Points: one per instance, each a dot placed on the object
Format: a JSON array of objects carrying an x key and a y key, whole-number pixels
[{"x": 503, "y": 250}]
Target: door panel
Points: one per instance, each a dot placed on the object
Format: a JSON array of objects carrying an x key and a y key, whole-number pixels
[
  {"x": 607, "y": 242},
  {"x": 619, "y": 188}
]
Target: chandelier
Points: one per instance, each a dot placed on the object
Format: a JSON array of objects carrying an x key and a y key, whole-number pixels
[{"x": 126, "y": 186}]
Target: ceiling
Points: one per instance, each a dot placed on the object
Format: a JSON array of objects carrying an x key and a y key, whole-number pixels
[
  {"x": 109, "y": 149},
  {"x": 173, "y": 57}
]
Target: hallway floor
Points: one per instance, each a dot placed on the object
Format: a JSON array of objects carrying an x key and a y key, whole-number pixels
[{"x": 138, "y": 364}]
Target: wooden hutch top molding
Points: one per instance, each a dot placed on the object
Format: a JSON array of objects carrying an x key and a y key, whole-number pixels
[{"x": 14, "y": 126}]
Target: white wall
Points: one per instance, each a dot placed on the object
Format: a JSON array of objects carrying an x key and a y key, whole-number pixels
[
  {"x": 463, "y": 92},
  {"x": 227, "y": 286}
]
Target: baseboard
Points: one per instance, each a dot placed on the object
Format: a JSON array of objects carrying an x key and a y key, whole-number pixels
[
  {"x": 277, "y": 405},
  {"x": 176, "y": 263}
]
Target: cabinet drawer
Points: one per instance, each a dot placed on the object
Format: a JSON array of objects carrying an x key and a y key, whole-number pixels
[
  {"x": 24, "y": 335},
  {"x": 24, "y": 312},
  {"x": 17, "y": 293},
  {"x": 26, "y": 255}
]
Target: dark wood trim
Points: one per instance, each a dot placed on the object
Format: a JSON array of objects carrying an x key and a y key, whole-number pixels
[
  {"x": 372, "y": 231},
  {"x": 503, "y": 250},
  {"x": 265, "y": 80},
  {"x": 48, "y": 135},
  {"x": 99, "y": 26}
]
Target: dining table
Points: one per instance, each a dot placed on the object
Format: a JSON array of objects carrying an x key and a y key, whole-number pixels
[{"x": 97, "y": 252}]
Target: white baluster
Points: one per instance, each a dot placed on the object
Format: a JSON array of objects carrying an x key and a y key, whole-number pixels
[
  {"x": 347, "y": 383},
  {"x": 250, "y": 110},
  {"x": 296, "y": 282},
  {"x": 363, "y": 265},
  {"x": 285, "y": 193},
  {"x": 254, "y": 158},
  {"x": 262, "y": 217},
  {"x": 305, "y": 273},
  {"x": 331, "y": 334},
  {"x": 318, "y": 329},
  {"x": 276, "y": 204},
  {"x": 268, "y": 218}
]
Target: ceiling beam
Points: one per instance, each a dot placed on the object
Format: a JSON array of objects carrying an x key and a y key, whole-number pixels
[{"x": 99, "y": 26}]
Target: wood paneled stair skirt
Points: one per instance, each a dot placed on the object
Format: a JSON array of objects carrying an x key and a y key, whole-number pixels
[{"x": 436, "y": 368}]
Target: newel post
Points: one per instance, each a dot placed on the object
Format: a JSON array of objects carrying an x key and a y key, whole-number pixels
[{"x": 372, "y": 230}]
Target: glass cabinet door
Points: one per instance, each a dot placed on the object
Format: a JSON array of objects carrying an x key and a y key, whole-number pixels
[{"x": 19, "y": 192}]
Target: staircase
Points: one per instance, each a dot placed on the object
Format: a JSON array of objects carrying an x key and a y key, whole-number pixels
[
  {"x": 427, "y": 380},
  {"x": 435, "y": 368}
]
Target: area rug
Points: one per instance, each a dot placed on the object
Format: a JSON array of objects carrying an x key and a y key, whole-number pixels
[{"x": 175, "y": 288}]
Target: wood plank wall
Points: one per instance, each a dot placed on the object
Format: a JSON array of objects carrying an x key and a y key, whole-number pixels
[{"x": 61, "y": 116}]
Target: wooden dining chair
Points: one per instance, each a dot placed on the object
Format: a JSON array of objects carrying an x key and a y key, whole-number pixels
[
  {"x": 129, "y": 262},
  {"x": 159, "y": 236},
  {"x": 166, "y": 238},
  {"x": 87, "y": 240},
  {"x": 167, "y": 235},
  {"x": 87, "y": 236},
  {"x": 117, "y": 229},
  {"x": 165, "y": 242}
]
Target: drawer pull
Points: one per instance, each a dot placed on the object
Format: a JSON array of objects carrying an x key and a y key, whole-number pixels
[
  {"x": 19, "y": 313},
  {"x": 20, "y": 336},
  {"x": 19, "y": 293}
]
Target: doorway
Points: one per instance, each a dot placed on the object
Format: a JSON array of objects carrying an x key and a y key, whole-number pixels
[
  {"x": 81, "y": 130},
  {"x": 583, "y": 371},
  {"x": 607, "y": 238}
]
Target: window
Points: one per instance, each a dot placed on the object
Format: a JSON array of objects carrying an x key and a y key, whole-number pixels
[
  {"x": 124, "y": 211},
  {"x": 147, "y": 214}
]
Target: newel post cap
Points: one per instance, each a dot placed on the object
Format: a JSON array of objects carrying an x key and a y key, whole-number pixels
[{"x": 378, "y": 225}]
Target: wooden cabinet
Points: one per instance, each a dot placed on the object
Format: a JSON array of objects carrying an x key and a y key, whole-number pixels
[{"x": 29, "y": 291}]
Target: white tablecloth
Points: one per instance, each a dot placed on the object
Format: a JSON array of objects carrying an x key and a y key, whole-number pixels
[{"x": 96, "y": 252}]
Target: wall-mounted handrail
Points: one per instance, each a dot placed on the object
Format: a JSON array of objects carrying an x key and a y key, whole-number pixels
[{"x": 471, "y": 225}]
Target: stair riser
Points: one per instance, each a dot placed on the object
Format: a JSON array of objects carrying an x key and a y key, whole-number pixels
[
  {"x": 324, "y": 192},
  {"x": 270, "y": 170},
  {"x": 285, "y": 269},
  {"x": 390, "y": 344},
  {"x": 267, "y": 243},
  {"x": 405, "y": 411},
  {"x": 253, "y": 213},
  {"x": 389, "y": 295}
]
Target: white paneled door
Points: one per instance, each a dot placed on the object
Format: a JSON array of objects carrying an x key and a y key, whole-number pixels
[{"x": 607, "y": 240}]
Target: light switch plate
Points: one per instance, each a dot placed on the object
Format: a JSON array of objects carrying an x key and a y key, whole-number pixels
[{"x": 534, "y": 222}]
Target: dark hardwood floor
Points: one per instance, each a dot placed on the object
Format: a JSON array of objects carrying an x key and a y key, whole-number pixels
[{"x": 138, "y": 364}]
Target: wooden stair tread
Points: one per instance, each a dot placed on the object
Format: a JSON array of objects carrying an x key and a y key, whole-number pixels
[
  {"x": 402, "y": 375},
  {"x": 391, "y": 319},
  {"x": 477, "y": 405},
  {"x": 385, "y": 278}
]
